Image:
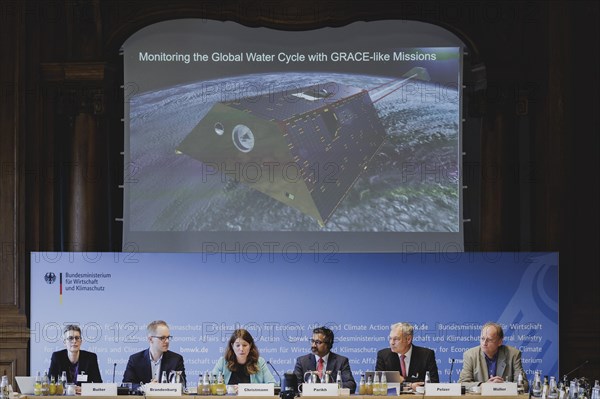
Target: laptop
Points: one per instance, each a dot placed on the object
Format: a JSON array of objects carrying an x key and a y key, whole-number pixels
[
  {"x": 391, "y": 376},
  {"x": 26, "y": 385}
]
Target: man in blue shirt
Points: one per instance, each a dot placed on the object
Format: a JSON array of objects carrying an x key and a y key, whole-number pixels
[{"x": 492, "y": 361}]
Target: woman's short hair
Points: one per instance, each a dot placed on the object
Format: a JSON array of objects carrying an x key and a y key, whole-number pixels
[{"x": 71, "y": 327}]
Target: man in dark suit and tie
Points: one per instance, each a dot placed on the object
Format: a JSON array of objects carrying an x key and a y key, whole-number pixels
[
  {"x": 148, "y": 365},
  {"x": 410, "y": 360},
  {"x": 322, "y": 360}
]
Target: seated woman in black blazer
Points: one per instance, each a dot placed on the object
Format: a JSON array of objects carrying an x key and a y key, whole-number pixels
[{"x": 73, "y": 360}]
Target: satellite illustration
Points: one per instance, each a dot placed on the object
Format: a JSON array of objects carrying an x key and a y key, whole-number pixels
[
  {"x": 296, "y": 152},
  {"x": 297, "y": 131}
]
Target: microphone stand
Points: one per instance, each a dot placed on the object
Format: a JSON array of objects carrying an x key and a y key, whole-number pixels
[
  {"x": 273, "y": 368},
  {"x": 576, "y": 368}
]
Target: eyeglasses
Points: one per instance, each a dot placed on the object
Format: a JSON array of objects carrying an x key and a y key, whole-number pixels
[
  {"x": 395, "y": 339},
  {"x": 163, "y": 338},
  {"x": 487, "y": 340},
  {"x": 73, "y": 338},
  {"x": 316, "y": 342}
]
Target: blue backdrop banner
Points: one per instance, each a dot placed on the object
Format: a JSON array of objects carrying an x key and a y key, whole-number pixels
[{"x": 281, "y": 297}]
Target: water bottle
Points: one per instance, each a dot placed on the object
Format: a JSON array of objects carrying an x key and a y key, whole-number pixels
[
  {"x": 376, "y": 385},
  {"x": 4, "y": 394},
  {"x": 52, "y": 386},
  {"x": 520, "y": 385},
  {"x": 163, "y": 377},
  {"x": 545, "y": 387},
  {"x": 427, "y": 378},
  {"x": 338, "y": 379},
  {"x": 200, "y": 385},
  {"x": 552, "y": 389},
  {"x": 562, "y": 391},
  {"x": 45, "y": 388},
  {"x": 596, "y": 391},
  {"x": 314, "y": 377},
  {"x": 37, "y": 388},
  {"x": 362, "y": 386},
  {"x": 536, "y": 388},
  {"x": 383, "y": 384},
  {"x": 213, "y": 385},
  {"x": 63, "y": 380},
  {"x": 221, "y": 389},
  {"x": 369, "y": 386},
  {"x": 60, "y": 390},
  {"x": 206, "y": 384},
  {"x": 574, "y": 389}
]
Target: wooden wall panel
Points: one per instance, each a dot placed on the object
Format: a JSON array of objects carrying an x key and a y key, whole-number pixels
[{"x": 13, "y": 330}]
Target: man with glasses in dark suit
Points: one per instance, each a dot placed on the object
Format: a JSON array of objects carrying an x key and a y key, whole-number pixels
[
  {"x": 148, "y": 365},
  {"x": 323, "y": 361}
]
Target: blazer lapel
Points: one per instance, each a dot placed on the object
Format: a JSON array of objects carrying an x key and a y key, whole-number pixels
[
  {"x": 330, "y": 362},
  {"x": 414, "y": 358},
  {"x": 165, "y": 363},
  {"x": 394, "y": 361},
  {"x": 483, "y": 366},
  {"x": 312, "y": 360},
  {"x": 501, "y": 362},
  {"x": 147, "y": 367}
]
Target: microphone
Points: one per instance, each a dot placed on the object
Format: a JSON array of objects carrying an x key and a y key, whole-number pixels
[
  {"x": 278, "y": 376},
  {"x": 451, "y": 367},
  {"x": 290, "y": 384},
  {"x": 577, "y": 368},
  {"x": 114, "y": 370}
]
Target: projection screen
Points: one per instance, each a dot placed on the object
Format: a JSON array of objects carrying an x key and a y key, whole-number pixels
[{"x": 344, "y": 139}]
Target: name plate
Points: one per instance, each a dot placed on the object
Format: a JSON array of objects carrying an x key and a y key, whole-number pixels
[
  {"x": 499, "y": 389},
  {"x": 90, "y": 389},
  {"x": 442, "y": 389},
  {"x": 156, "y": 389},
  {"x": 256, "y": 389},
  {"x": 319, "y": 389}
]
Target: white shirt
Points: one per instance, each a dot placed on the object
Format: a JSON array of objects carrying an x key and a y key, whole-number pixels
[
  {"x": 155, "y": 368},
  {"x": 407, "y": 357},
  {"x": 324, "y": 361}
]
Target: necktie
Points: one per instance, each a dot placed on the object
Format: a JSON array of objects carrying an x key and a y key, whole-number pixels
[
  {"x": 403, "y": 365},
  {"x": 320, "y": 367}
]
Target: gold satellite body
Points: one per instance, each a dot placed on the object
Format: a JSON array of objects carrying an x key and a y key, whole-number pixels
[{"x": 304, "y": 147}]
